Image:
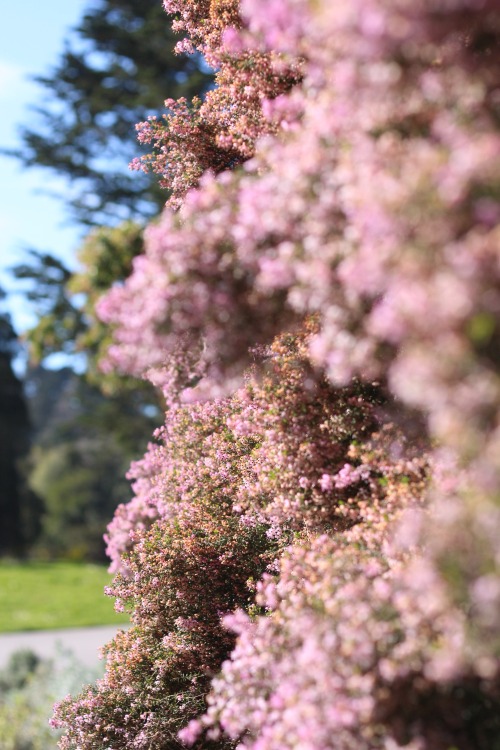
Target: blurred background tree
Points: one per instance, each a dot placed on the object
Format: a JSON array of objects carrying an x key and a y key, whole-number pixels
[
  {"x": 65, "y": 303},
  {"x": 87, "y": 426},
  {"x": 118, "y": 65},
  {"x": 19, "y": 508},
  {"x": 83, "y": 444}
]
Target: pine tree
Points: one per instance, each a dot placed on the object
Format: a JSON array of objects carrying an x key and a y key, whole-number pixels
[{"x": 115, "y": 70}]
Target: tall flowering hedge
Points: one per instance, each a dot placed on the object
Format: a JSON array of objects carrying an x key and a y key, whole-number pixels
[{"x": 311, "y": 556}]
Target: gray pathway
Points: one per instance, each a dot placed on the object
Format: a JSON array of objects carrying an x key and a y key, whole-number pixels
[{"x": 83, "y": 642}]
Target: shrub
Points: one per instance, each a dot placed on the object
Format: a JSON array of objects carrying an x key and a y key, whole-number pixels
[{"x": 354, "y": 468}]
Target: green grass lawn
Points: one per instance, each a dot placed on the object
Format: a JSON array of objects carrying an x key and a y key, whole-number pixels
[{"x": 39, "y": 596}]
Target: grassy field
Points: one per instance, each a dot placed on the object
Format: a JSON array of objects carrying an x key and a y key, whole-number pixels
[{"x": 39, "y": 596}]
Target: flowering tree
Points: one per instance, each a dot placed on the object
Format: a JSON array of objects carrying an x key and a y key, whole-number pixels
[{"x": 316, "y": 546}]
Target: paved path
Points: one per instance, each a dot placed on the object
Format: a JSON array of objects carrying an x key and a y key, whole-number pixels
[{"x": 83, "y": 642}]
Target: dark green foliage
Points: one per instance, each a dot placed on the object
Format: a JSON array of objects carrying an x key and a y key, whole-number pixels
[
  {"x": 84, "y": 444},
  {"x": 21, "y": 665},
  {"x": 59, "y": 321},
  {"x": 116, "y": 69},
  {"x": 29, "y": 686},
  {"x": 18, "y": 506}
]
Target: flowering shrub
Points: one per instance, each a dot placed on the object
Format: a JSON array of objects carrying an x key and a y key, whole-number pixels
[
  {"x": 375, "y": 207},
  {"x": 350, "y": 260},
  {"x": 222, "y": 493}
]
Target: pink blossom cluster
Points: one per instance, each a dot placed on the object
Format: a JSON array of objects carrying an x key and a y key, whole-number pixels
[
  {"x": 356, "y": 651},
  {"x": 178, "y": 579},
  {"x": 289, "y": 449},
  {"x": 219, "y": 132},
  {"x": 139, "y": 513}
]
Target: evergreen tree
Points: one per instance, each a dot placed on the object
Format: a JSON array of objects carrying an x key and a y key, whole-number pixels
[
  {"x": 18, "y": 508},
  {"x": 115, "y": 70}
]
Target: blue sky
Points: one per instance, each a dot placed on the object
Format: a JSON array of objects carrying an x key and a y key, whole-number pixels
[{"x": 32, "y": 36}]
